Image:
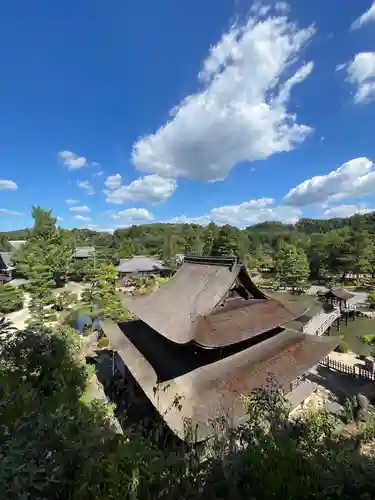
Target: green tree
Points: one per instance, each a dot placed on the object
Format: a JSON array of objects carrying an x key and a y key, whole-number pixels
[
  {"x": 47, "y": 247},
  {"x": 100, "y": 295},
  {"x": 356, "y": 252},
  {"x": 208, "y": 241},
  {"x": 193, "y": 243},
  {"x": 41, "y": 286},
  {"x": 11, "y": 299},
  {"x": 66, "y": 446},
  {"x": 226, "y": 242},
  {"x": 292, "y": 266}
]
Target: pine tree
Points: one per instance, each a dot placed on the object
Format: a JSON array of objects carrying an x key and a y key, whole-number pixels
[
  {"x": 100, "y": 295},
  {"x": 292, "y": 266},
  {"x": 42, "y": 299}
]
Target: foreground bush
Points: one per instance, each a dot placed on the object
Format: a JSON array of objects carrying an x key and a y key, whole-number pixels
[
  {"x": 55, "y": 443},
  {"x": 11, "y": 299},
  {"x": 342, "y": 347}
]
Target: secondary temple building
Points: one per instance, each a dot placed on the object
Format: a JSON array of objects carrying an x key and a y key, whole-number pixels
[{"x": 207, "y": 337}]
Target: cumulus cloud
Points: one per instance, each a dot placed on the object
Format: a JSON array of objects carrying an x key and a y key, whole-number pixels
[
  {"x": 341, "y": 211},
  {"x": 71, "y": 202},
  {"x": 361, "y": 73},
  {"x": 9, "y": 212},
  {"x": 80, "y": 208},
  {"x": 131, "y": 216},
  {"x": 113, "y": 181},
  {"x": 354, "y": 178},
  {"x": 86, "y": 186},
  {"x": 242, "y": 110},
  {"x": 245, "y": 214},
  {"x": 72, "y": 160},
  {"x": 6, "y": 184},
  {"x": 365, "y": 18},
  {"x": 150, "y": 188},
  {"x": 82, "y": 218}
]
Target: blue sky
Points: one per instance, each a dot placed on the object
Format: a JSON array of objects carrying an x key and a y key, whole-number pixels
[{"x": 119, "y": 112}]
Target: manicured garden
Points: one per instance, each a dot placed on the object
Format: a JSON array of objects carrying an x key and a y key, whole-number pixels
[{"x": 11, "y": 299}]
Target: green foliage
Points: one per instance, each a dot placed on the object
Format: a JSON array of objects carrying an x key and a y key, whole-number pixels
[
  {"x": 42, "y": 298},
  {"x": 292, "y": 266},
  {"x": 333, "y": 247},
  {"x": 369, "y": 339},
  {"x": 103, "y": 342},
  {"x": 65, "y": 300},
  {"x": 371, "y": 299},
  {"x": 343, "y": 348},
  {"x": 47, "y": 247},
  {"x": 11, "y": 299},
  {"x": 100, "y": 296},
  {"x": 66, "y": 447}
]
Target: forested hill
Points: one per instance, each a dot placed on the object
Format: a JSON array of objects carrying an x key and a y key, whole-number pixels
[
  {"x": 151, "y": 237},
  {"x": 334, "y": 245}
]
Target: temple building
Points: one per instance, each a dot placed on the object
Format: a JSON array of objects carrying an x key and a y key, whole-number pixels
[{"x": 207, "y": 337}]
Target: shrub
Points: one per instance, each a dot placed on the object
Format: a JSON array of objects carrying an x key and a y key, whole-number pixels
[
  {"x": 103, "y": 342},
  {"x": 342, "y": 347},
  {"x": 11, "y": 299},
  {"x": 369, "y": 339},
  {"x": 371, "y": 299}
]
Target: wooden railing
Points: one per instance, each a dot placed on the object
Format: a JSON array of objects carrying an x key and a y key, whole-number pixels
[
  {"x": 354, "y": 371},
  {"x": 324, "y": 325}
]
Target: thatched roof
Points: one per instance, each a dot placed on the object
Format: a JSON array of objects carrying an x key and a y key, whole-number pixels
[
  {"x": 339, "y": 293},
  {"x": 194, "y": 305},
  {"x": 209, "y": 383}
]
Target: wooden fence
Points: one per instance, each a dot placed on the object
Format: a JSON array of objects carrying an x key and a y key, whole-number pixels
[{"x": 354, "y": 371}]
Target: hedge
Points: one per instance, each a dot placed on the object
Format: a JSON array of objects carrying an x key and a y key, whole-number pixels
[{"x": 11, "y": 299}]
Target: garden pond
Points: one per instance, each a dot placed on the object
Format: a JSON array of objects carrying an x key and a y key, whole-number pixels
[{"x": 352, "y": 332}]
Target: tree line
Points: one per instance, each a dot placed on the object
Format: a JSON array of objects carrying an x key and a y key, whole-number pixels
[{"x": 316, "y": 248}]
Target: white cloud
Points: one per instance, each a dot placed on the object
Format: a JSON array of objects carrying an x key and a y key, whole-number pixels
[
  {"x": 345, "y": 211},
  {"x": 98, "y": 174},
  {"x": 80, "y": 208},
  {"x": 82, "y": 217},
  {"x": 282, "y": 7},
  {"x": 150, "y": 188},
  {"x": 366, "y": 17},
  {"x": 202, "y": 220},
  {"x": 97, "y": 228},
  {"x": 71, "y": 202},
  {"x": 71, "y": 160},
  {"x": 361, "y": 73},
  {"x": 245, "y": 214},
  {"x": 59, "y": 219},
  {"x": 113, "y": 181},
  {"x": 9, "y": 212},
  {"x": 6, "y": 184},
  {"x": 354, "y": 178},
  {"x": 132, "y": 216},
  {"x": 86, "y": 186},
  {"x": 242, "y": 111}
]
